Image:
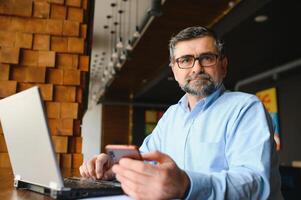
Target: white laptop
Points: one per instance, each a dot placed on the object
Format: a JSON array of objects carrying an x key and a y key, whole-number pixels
[{"x": 32, "y": 154}]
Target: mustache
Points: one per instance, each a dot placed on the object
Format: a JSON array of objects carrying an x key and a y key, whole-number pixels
[{"x": 199, "y": 76}]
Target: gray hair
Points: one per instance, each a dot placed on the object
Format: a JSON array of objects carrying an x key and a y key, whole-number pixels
[{"x": 193, "y": 33}]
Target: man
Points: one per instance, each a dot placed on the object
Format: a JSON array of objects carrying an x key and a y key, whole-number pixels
[{"x": 213, "y": 144}]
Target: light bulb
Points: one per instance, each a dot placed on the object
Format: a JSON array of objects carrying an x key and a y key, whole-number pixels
[
  {"x": 119, "y": 45},
  {"x": 118, "y": 65},
  {"x": 114, "y": 54},
  {"x": 129, "y": 47},
  {"x": 136, "y": 33},
  {"x": 123, "y": 56}
]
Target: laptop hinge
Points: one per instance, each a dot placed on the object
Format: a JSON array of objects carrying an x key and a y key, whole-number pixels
[
  {"x": 53, "y": 186},
  {"x": 16, "y": 180}
]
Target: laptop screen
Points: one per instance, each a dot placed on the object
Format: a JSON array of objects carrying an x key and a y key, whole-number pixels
[{"x": 28, "y": 140}]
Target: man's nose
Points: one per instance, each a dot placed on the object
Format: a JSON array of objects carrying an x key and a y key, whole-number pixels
[{"x": 197, "y": 68}]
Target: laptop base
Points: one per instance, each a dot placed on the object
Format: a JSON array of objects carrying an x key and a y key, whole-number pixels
[{"x": 67, "y": 193}]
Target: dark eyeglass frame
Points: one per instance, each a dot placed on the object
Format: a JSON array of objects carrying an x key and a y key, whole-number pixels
[{"x": 199, "y": 58}]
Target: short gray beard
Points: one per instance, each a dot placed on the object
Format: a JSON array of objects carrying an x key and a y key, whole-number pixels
[{"x": 202, "y": 87}]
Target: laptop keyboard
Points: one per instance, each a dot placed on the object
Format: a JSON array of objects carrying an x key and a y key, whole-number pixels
[{"x": 74, "y": 182}]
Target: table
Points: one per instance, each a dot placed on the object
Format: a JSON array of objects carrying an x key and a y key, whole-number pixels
[{"x": 9, "y": 192}]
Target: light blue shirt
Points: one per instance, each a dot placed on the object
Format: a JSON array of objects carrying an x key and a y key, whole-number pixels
[{"x": 225, "y": 145}]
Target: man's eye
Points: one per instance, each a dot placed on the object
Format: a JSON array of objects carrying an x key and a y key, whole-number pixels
[
  {"x": 207, "y": 58},
  {"x": 185, "y": 60}
]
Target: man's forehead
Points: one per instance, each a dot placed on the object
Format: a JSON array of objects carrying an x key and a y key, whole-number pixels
[{"x": 206, "y": 43}]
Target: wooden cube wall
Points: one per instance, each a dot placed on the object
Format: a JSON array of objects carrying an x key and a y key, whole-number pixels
[{"x": 43, "y": 43}]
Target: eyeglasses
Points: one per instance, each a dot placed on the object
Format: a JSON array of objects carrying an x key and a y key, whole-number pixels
[{"x": 205, "y": 60}]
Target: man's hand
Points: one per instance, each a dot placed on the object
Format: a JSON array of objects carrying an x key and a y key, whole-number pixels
[
  {"x": 99, "y": 167},
  {"x": 146, "y": 181}
]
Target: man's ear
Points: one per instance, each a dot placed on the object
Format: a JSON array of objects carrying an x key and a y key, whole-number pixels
[
  {"x": 224, "y": 66},
  {"x": 172, "y": 67}
]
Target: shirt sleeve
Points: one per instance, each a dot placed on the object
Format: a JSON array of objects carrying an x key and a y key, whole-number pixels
[{"x": 249, "y": 146}]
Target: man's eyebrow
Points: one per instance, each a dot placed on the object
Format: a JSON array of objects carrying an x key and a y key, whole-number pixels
[{"x": 186, "y": 55}]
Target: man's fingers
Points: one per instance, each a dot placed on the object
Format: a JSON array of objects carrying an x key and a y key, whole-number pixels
[
  {"x": 91, "y": 167},
  {"x": 138, "y": 166},
  {"x": 131, "y": 175},
  {"x": 100, "y": 165},
  {"x": 83, "y": 170},
  {"x": 156, "y": 156}
]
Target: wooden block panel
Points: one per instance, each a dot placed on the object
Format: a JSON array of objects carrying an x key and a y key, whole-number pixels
[
  {"x": 53, "y": 125},
  {"x": 60, "y": 144},
  {"x": 46, "y": 58},
  {"x": 29, "y": 58},
  {"x": 9, "y": 55},
  {"x": 75, "y": 14},
  {"x": 55, "y": 76},
  {"x": 77, "y": 127},
  {"x": 18, "y": 73},
  {"x": 76, "y": 45},
  {"x": 66, "y": 160},
  {"x": 67, "y": 61},
  {"x": 23, "y": 40},
  {"x": 7, "y": 39},
  {"x": 59, "y": 44},
  {"x": 36, "y": 26},
  {"x": 57, "y": 1},
  {"x": 54, "y": 27},
  {"x": 22, "y": 8},
  {"x": 41, "y": 9},
  {"x": 71, "y": 28},
  {"x": 53, "y": 110},
  {"x": 58, "y": 12},
  {"x": 77, "y": 160},
  {"x": 5, "y": 22},
  {"x": 79, "y": 95},
  {"x": 36, "y": 75},
  {"x": 84, "y": 63},
  {"x": 7, "y": 88},
  {"x": 62, "y": 127},
  {"x": 85, "y": 4},
  {"x": 69, "y": 110},
  {"x": 3, "y": 147},
  {"x": 66, "y": 127},
  {"x": 45, "y": 89},
  {"x": 17, "y": 7},
  {"x": 4, "y": 72},
  {"x": 75, "y": 3},
  {"x": 83, "y": 31},
  {"x": 17, "y": 24},
  {"x": 71, "y": 77},
  {"x": 75, "y": 144},
  {"x": 64, "y": 93},
  {"x": 41, "y": 42},
  {"x": 4, "y": 160}
]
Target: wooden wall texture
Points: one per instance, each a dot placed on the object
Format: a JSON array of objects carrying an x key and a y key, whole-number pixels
[
  {"x": 43, "y": 42},
  {"x": 116, "y": 125}
]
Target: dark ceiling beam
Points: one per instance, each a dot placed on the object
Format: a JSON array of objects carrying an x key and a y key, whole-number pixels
[{"x": 241, "y": 12}]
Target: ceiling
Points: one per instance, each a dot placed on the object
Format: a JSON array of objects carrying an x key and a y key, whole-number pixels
[{"x": 251, "y": 47}]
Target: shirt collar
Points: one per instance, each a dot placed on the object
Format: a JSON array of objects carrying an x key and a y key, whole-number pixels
[{"x": 205, "y": 102}]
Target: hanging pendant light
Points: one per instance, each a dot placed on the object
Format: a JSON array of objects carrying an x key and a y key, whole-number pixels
[
  {"x": 118, "y": 65},
  {"x": 123, "y": 56},
  {"x": 137, "y": 30},
  {"x": 119, "y": 44},
  {"x": 115, "y": 54},
  {"x": 136, "y": 33},
  {"x": 129, "y": 46}
]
